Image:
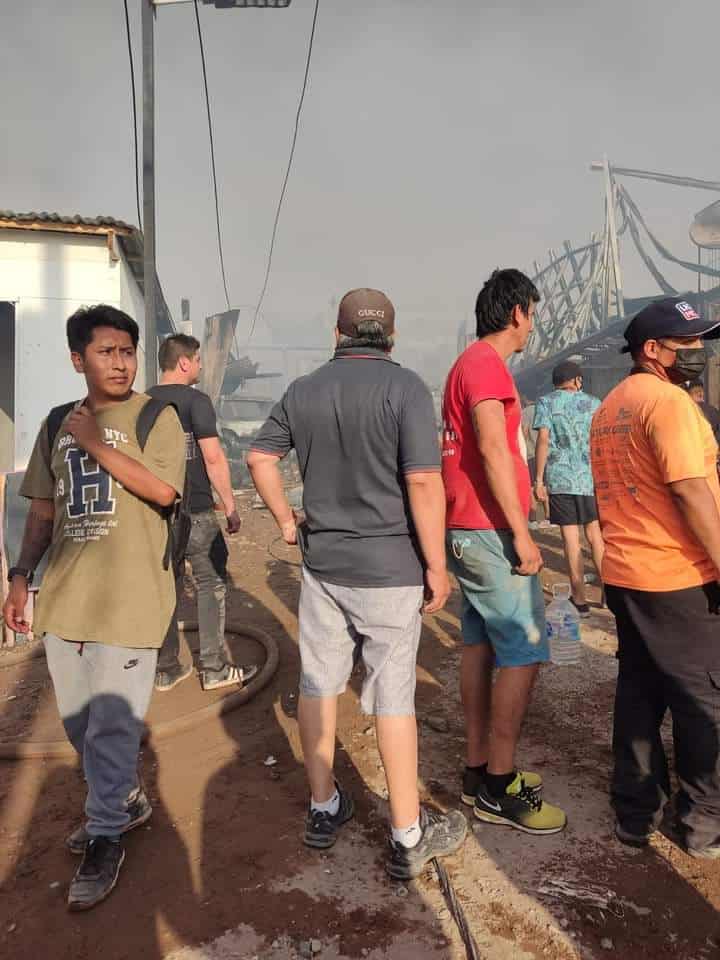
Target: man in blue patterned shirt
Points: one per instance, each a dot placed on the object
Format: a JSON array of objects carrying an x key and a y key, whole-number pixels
[{"x": 563, "y": 476}]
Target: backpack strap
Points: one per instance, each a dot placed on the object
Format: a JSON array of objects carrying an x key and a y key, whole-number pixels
[
  {"x": 55, "y": 421},
  {"x": 147, "y": 417},
  {"x": 144, "y": 424}
]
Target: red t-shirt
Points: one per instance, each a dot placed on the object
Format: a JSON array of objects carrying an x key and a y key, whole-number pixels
[{"x": 478, "y": 374}]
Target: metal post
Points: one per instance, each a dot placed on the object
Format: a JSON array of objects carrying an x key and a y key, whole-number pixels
[
  {"x": 614, "y": 250},
  {"x": 698, "y": 273},
  {"x": 149, "y": 272}
]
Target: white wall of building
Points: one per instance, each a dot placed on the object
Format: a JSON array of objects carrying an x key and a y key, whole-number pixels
[{"x": 48, "y": 275}]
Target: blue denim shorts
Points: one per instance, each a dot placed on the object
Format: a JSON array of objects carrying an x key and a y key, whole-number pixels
[{"x": 500, "y": 607}]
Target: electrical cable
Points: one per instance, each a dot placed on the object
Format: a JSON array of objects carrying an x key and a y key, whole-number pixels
[
  {"x": 212, "y": 154},
  {"x": 287, "y": 173},
  {"x": 472, "y": 950},
  {"x": 134, "y": 113}
]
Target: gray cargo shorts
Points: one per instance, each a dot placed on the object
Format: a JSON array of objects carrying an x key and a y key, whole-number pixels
[{"x": 381, "y": 624}]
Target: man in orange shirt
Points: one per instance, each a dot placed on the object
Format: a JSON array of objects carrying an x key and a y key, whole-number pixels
[{"x": 653, "y": 461}]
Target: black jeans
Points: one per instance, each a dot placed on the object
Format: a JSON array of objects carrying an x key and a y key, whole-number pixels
[
  {"x": 208, "y": 555},
  {"x": 669, "y": 659}
]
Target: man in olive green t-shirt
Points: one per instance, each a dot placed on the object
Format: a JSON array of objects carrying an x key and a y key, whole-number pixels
[{"x": 97, "y": 502}]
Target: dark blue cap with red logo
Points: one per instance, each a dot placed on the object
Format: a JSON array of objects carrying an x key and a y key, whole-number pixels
[{"x": 670, "y": 317}]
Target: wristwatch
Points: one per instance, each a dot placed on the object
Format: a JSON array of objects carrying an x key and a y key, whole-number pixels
[{"x": 21, "y": 572}]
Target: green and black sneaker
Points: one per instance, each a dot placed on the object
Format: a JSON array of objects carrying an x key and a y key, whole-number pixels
[
  {"x": 473, "y": 779},
  {"x": 519, "y": 807}
]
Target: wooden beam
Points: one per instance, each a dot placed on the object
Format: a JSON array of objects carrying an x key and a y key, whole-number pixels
[
  {"x": 219, "y": 334},
  {"x": 54, "y": 226}
]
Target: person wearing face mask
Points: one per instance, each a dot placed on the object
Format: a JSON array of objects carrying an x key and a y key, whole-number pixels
[
  {"x": 653, "y": 460},
  {"x": 562, "y": 457}
]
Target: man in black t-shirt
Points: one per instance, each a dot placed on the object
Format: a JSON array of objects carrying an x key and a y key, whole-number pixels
[{"x": 206, "y": 467}]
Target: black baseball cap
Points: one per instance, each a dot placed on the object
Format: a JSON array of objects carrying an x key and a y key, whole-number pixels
[
  {"x": 670, "y": 317},
  {"x": 566, "y": 371}
]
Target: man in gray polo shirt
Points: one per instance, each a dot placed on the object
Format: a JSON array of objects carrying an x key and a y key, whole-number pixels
[{"x": 373, "y": 544}]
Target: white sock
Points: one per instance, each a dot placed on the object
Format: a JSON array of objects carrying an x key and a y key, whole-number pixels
[
  {"x": 408, "y": 836},
  {"x": 330, "y": 806}
]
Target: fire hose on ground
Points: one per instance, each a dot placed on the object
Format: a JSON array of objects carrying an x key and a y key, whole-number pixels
[{"x": 62, "y": 749}]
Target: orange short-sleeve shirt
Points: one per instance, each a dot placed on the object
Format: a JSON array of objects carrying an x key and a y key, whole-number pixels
[{"x": 646, "y": 434}]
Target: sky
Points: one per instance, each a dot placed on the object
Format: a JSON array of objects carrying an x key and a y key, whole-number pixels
[{"x": 439, "y": 140}]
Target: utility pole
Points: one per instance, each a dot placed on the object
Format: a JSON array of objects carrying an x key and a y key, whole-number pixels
[{"x": 148, "y": 184}]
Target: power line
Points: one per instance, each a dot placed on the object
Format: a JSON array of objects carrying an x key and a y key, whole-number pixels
[
  {"x": 287, "y": 172},
  {"x": 134, "y": 112},
  {"x": 212, "y": 155}
]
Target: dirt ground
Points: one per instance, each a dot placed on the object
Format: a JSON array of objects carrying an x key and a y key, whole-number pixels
[{"x": 220, "y": 871}]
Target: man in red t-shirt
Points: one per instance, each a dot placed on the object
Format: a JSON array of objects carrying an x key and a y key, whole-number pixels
[{"x": 496, "y": 562}]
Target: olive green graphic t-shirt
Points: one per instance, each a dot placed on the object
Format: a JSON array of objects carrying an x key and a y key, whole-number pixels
[{"x": 105, "y": 580}]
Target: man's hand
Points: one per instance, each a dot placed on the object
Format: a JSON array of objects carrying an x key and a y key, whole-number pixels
[
  {"x": 437, "y": 590},
  {"x": 288, "y": 530},
  {"x": 233, "y": 522},
  {"x": 529, "y": 557},
  {"x": 541, "y": 493},
  {"x": 83, "y": 426},
  {"x": 14, "y": 606}
]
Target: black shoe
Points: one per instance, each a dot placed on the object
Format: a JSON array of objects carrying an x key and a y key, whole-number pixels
[
  {"x": 97, "y": 875},
  {"x": 582, "y": 608},
  {"x": 442, "y": 835},
  {"x": 321, "y": 829},
  {"x": 630, "y": 838},
  {"x": 140, "y": 811},
  {"x": 168, "y": 677}
]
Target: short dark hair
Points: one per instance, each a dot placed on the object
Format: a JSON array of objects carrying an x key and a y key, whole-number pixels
[
  {"x": 175, "y": 346},
  {"x": 501, "y": 293},
  {"x": 82, "y": 324},
  {"x": 565, "y": 372}
]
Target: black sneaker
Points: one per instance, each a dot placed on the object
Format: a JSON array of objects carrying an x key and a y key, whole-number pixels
[
  {"x": 140, "y": 812},
  {"x": 97, "y": 875},
  {"x": 227, "y": 676},
  {"x": 169, "y": 677},
  {"x": 321, "y": 829},
  {"x": 442, "y": 835}
]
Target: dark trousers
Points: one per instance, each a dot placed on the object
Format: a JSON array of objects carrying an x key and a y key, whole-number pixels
[
  {"x": 669, "y": 659},
  {"x": 208, "y": 555}
]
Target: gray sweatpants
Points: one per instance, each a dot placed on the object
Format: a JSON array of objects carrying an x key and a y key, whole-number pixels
[{"x": 103, "y": 693}]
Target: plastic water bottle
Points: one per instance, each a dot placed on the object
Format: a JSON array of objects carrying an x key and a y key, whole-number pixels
[{"x": 563, "y": 627}]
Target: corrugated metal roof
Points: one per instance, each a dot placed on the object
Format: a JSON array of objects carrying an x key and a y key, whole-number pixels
[
  {"x": 129, "y": 238},
  {"x": 71, "y": 219}
]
